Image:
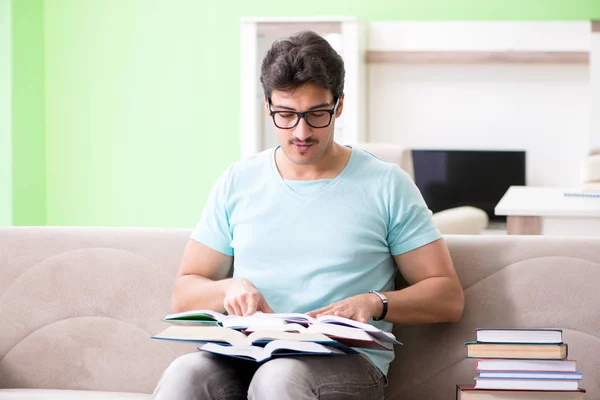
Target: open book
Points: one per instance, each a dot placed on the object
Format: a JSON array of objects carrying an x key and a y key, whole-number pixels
[
  {"x": 228, "y": 336},
  {"x": 347, "y": 335},
  {"x": 209, "y": 317},
  {"x": 272, "y": 349},
  {"x": 278, "y": 321}
]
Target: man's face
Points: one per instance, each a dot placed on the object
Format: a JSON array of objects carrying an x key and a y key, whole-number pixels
[{"x": 305, "y": 144}]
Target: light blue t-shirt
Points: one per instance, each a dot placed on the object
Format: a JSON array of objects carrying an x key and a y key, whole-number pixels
[{"x": 306, "y": 244}]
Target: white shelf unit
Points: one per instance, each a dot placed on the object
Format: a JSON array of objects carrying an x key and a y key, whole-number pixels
[{"x": 346, "y": 35}]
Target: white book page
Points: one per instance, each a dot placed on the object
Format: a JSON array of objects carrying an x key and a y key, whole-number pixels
[
  {"x": 282, "y": 328},
  {"x": 253, "y": 352},
  {"x": 377, "y": 333},
  {"x": 306, "y": 347}
]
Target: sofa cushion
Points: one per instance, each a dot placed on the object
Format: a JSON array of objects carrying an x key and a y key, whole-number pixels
[{"x": 46, "y": 394}]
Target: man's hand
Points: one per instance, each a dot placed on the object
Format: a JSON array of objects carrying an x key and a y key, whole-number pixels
[
  {"x": 243, "y": 298},
  {"x": 360, "y": 308}
]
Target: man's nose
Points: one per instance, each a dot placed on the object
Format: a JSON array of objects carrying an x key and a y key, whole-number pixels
[{"x": 302, "y": 131}]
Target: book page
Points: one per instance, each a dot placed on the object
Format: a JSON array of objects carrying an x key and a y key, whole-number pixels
[
  {"x": 282, "y": 346},
  {"x": 202, "y": 333},
  {"x": 385, "y": 337},
  {"x": 251, "y": 352},
  {"x": 200, "y": 315},
  {"x": 264, "y": 335},
  {"x": 256, "y": 320},
  {"x": 282, "y": 328}
]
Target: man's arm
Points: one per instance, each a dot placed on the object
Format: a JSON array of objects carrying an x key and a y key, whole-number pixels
[
  {"x": 201, "y": 284},
  {"x": 434, "y": 294}
]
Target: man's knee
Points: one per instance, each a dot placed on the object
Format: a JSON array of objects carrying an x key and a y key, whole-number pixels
[
  {"x": 193, "y": 376},
  {"x": 279, "y": 376},
  {"x": 191, "y": 365}
]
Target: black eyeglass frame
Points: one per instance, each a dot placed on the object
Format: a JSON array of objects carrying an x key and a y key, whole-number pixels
[{"x": 304, "y": 114}]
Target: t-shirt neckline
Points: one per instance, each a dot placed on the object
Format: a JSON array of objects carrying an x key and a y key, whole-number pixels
[{"x": 305, "y": 198}]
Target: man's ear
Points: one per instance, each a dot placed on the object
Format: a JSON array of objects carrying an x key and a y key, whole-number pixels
[
  {"x": 340, "y": 106},
  {"x": 267, "y": 104}
]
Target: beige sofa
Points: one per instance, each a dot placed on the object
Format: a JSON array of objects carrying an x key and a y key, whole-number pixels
[{"x": 77, "y": 307}]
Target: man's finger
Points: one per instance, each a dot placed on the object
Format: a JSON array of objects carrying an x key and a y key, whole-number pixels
[
  {"x": 326, "y": 311},
  {"x": 318, "y": 311},
  {"x": 265, "y": 307},
  {"x": 235, "y": 306},
  {"x": 228, "y": 308},
  {"x": 250, "y": 308},
  {"x": 343, "y": 314}
]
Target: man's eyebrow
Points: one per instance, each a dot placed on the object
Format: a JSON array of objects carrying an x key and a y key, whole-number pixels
[{"x": 311, "y": 108}]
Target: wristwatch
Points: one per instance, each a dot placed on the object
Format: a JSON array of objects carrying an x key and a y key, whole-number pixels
[{"x": 384, "y": 300}]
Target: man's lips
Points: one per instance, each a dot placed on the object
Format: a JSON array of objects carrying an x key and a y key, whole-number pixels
[{"x": 302, "y": 147}]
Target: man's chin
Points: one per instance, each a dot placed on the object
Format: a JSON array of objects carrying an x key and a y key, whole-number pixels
[{"x": 302, "y": 158}]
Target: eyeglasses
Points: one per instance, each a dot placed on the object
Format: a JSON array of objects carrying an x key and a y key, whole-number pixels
[{"x": 314, "y": 118}]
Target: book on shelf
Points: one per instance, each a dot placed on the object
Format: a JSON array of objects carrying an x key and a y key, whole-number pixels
[
  {"x": 468, "y": 392},
  {"x": 577, "y": 376},
  {"x": 517, "y": 350},
  {"x": 526, "y": 384},
  {"x": 512, "y": 335},
  {"x": 493, "y": 364},
  {"x": 276, "y": 348},
  {"x": 331, "y": 324}
]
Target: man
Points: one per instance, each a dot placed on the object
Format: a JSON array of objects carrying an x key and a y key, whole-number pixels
[{"x": 310, "y": 226}]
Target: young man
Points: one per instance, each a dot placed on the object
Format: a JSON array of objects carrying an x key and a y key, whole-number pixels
[{"x": 310, "y": 226}]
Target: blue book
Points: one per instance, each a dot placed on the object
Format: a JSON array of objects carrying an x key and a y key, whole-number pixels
[
  {"x": 553, "y": 375},
  {"x": 582, "y": 194}
]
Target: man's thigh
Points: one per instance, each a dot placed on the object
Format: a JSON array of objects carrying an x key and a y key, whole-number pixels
[
  {"x": 202, "y": 375},
  {"x": 318, "y": 377}
]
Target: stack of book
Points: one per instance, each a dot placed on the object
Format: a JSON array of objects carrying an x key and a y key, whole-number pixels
[
  {"x": 521, "y": 364},
  {"x": 262, "y": 336}
]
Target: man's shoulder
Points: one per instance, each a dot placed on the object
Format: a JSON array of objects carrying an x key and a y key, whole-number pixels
[
  {"x": 254, "y": 167},
  {"x": 370, "y": 163}
]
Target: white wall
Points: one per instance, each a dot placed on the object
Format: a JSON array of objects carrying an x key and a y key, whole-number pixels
[
  {"x": 542, "y": 109},
  {"x": 5, "y": 113}
]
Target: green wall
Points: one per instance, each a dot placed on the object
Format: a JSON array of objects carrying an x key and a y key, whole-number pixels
[
  {"x": 28, "y": 143},
  {"x": 5, "y": 113},
  {"x": 141, "y": 97}
]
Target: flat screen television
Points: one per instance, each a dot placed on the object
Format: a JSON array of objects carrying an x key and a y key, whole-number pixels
[{"x": 454, "y": 178}]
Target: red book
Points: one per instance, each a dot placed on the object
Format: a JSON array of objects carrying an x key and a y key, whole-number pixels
[{"x": 468, "y": 392}]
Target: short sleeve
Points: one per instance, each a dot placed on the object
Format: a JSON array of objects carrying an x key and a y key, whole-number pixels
[
  {"x": 410, "y": 222},
  {"x": 213, "y": 229}
]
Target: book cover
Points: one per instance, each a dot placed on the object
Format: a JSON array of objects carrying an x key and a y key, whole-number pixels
[
  {"x": 519, "y": 335},
  {"x": 526, "y": 384},
  {"x": 517, "y": 350},
  {"x": 468, "y": 392},
  {"x": 499, "y": 364},
  {"x": 573, "y": 376}
]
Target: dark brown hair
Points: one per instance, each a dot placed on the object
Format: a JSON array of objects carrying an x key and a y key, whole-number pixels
[{"x": 302, "y": 58}]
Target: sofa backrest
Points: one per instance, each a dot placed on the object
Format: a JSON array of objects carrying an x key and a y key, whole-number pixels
[
  {"x": 78, "y": 305},
  {"x": 508, "y": 281}
]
